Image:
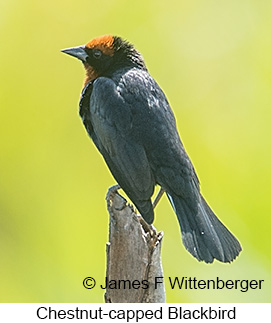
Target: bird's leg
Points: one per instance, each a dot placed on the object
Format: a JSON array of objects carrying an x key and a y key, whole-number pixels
[
  {"x": 149, "y": 228},
  {"x": 158, "y": 197}
]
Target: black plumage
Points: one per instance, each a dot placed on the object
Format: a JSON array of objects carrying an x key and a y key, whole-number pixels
[{"x": 131, "y": 123}]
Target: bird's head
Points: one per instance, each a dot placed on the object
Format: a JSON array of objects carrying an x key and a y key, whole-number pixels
[{"x": 104, "y": 55}]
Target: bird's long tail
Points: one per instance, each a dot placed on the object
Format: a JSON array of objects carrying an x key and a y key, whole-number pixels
[{"x": 203, "y": 235}]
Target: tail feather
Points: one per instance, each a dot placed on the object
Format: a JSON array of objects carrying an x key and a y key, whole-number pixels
[{"x": 203, "y": 235}]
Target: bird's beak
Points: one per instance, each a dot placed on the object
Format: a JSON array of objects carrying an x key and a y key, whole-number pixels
[{"x": 78, "y": 52}]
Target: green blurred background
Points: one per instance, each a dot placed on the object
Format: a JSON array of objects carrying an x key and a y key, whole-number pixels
[{"x": 212, "y": 59}]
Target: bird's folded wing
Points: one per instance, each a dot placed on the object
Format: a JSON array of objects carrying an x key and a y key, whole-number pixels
[{"x": 112, "y": 133}]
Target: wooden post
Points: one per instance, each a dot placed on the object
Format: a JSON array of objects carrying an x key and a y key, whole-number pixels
[{"x": 133, "y": 255}]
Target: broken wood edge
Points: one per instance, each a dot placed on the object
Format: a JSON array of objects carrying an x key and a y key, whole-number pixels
[{"x": 133, "y": 254}]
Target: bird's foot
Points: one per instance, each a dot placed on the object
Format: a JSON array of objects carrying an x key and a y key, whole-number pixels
[{"x": 150, "y": 231}]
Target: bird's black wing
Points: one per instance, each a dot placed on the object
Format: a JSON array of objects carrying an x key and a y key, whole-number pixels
[
  {"x": 154, "y": 127},
  {"x": 112, "y": 132},
  {"x": 204, "y": 236},
  {"x": 134, "y": 128}
]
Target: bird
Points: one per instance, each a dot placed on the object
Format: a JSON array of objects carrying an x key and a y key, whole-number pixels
[{"x": 130, "y": 121}]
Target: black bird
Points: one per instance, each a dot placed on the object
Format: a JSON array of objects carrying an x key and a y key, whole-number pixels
[{"x": 129, "y": 119}]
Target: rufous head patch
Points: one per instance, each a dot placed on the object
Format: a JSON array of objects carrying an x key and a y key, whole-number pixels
[{"x": 103, "y": 43}]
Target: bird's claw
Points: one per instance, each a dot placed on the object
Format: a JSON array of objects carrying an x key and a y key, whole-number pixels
[{"x": 149, "y": 230}]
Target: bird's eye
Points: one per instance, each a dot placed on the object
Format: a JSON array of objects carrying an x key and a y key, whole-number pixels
[{"x": 97, "y": 53}]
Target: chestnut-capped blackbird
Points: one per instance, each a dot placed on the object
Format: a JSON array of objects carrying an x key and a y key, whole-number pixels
[{"x": 129, "y": 119}]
